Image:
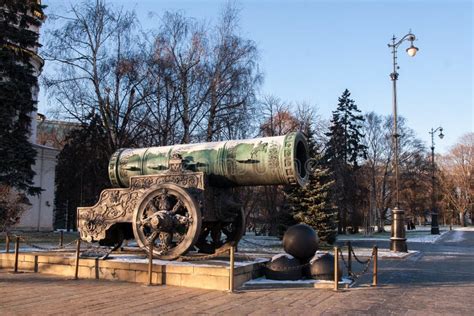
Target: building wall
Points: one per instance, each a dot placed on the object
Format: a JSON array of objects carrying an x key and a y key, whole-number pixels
[{"x": 40, "y": 215}]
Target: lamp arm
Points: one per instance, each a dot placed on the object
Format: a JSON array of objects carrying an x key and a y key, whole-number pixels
[
  {"x": 408, "y": 37},
  {"x": 437, "y": 129}
]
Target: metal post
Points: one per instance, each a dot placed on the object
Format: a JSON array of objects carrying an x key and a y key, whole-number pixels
[
  {"x": 375, "y": 253},
  {"x": 7, "y": 243},
  {"x": 336, "y": 270},
  {"x": 150, "y": 262},
  {"x": 349, "y": 256},
  {"x": 17, "y": 250},
  {"x": 61, "y": 239},
  {"x": 397, "y": 240},
  {"x": 434, "y": 210},
  {"x": 231, "y": 269},
  {"x": 78, "y": 251},
  {"x": 67, "y": 215}
]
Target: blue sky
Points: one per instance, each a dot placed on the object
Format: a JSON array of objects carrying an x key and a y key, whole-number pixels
[{"x": 312, "y": 50}]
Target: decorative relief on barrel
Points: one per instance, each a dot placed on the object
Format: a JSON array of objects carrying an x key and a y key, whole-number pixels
[
  {"x": 256, "y": 149},
  {"x": 288, "y": 158},
  {"x": 273, "y": 161},
  {"x": 112, "y": 168},
  {"x": 190, "y": 180}
]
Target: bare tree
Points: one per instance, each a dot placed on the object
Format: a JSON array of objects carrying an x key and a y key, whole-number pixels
[
  {"x": 234, "y": 77},
  {"x": 375, "y": 167},
  {"x": 97, "y": 69},
  {"x": 416, "y": 184},
  {"x": 201, "y": 82},
  {"x": 377, "y": 173},
  {"x": 458, "y": 176},
  {"x": 276, "y": 118}
]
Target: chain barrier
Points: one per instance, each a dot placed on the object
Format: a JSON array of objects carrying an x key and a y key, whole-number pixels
[
  {"x": 44, "y": 248},
  {"x": 352, "y": 274},
  {"x": 357, "y": 259},
  {"x": 89, "y": 251}
]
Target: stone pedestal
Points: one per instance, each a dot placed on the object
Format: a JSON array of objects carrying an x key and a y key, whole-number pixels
[
  {"x": 398, "y": 241},
  {"x": 210, "y": 274}
]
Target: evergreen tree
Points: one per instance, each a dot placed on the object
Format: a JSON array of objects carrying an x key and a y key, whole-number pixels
[
  {"x": 312, "y": 203},
  {"x": 17, "y": 83},
  {"x": 344, "y": 149},
  {"x": 344, "y": 145},
  {"x": 81, "y": 172}
]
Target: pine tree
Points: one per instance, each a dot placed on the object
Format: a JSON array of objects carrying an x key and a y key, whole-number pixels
[
  {"x": 81, "y": 173},
  {"x": 344, "y": 149},
  {"x": 312, "y": 203},
  {"x": 344, "y": 145},
  {"x": 17, "y": 82}
]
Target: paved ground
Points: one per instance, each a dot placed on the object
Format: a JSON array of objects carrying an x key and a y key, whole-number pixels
[{"x": 439, "y": 280}]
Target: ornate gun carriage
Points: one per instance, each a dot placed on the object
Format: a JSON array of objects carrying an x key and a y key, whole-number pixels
[{"x": 180, "y": 197}]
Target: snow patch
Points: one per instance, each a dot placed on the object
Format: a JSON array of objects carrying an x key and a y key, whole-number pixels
[
  {"x": 280, "y": 255},
  {"x": 317, "y": 256},
  {"x": 465, "y": 229},
  {"x": 426, "y": 238},
  {"x": 457, "y": 236}
]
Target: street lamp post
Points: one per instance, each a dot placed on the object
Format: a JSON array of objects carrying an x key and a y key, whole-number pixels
[
  {"x": 398, "y": 239},
  {"x": 434, "y": 210}
]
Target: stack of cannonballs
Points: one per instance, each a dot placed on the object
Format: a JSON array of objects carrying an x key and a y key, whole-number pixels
[{"x": 300, "y": 243}]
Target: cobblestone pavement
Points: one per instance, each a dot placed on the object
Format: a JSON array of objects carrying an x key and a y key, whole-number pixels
[{"x": 438, "y": 281}]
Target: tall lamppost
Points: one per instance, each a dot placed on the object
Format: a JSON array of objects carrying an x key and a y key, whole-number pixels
[
  {"x": 434, "y": 210},
  {"x": 398, "y": 239}
]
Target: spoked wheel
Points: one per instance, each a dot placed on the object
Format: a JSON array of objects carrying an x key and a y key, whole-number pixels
[
  {"x": 169, "y": 217},
  {"x": 219, "y": 236}
]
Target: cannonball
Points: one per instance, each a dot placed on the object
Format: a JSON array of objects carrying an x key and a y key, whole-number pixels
[
  {"x": 322, "y": 267},
  {"x": 301, "y": 241},
  {"x": 283, "y": 267}
]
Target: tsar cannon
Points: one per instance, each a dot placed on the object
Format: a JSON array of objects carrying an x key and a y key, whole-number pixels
[{"x": 181, "y": 197}]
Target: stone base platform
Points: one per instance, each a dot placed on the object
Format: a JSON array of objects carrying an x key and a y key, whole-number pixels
[{"x": 210, "y": 274}]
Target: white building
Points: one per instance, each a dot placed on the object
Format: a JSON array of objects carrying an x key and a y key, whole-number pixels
[{"x": 40, "y": 215}]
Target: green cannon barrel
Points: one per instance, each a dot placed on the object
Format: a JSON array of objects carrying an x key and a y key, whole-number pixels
[{"x": 248, "y": 162}]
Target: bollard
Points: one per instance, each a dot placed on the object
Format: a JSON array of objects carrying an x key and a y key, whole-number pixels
[
  {"x": 349, "y": 256},
  {"x": 336, "y": 266},
  {"x": 78, "y": 251},
  {"x": 374, "y": 275},
  {"x": 17, "y": 250},
  {"x": 231, "y": 269},
  {"x": 7, "y": 243},
  {"x": 150, "y": 262},
  {"x": 61, "y": 239}
]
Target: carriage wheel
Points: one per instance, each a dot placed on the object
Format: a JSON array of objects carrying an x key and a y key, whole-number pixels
[{"x": 169, "y": 217}]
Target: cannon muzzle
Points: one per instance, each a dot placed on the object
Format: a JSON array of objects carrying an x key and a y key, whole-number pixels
[{"x": 249, "y": 162}]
